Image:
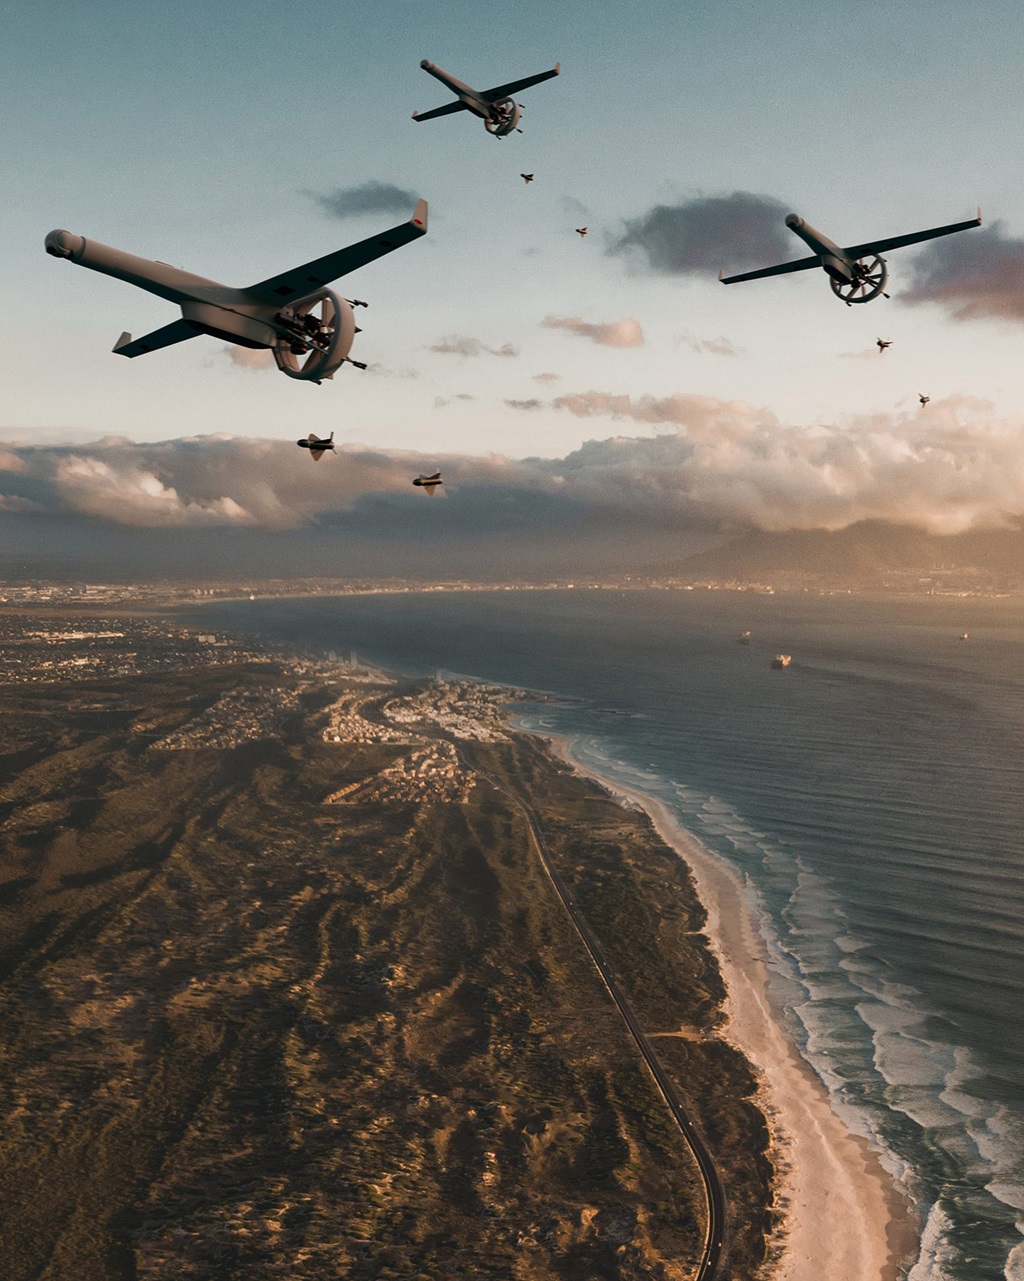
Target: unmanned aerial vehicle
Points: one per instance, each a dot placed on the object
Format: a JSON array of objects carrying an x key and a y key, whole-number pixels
[
  {"x": 495, "y": 107},
  {"x": 308, "y": 328},
  {"x": 856, "y": 274},
  {"x": 429, "y": 483},
  {"x": 316, "y": 446}
]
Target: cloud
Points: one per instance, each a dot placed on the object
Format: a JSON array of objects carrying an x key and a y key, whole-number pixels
[
  {"x": 708, "y": 464},
  {"x": 547, "y": 378},
  {"x": 742, "y": 230},
  {"x": 735, "y": 463},
  {"x": 616, "y": 333},
  {"x": 371, "y": 197},
  {"x": 454, "y": 345},
  {"x": 17, "y": 503},
  {"x": 712, "y": 346},
  {"x": 978, "y": 275},
  {"x": 381, "y": 370},
  {"x": 441, "y": 401},
  {"x": 528, "y": 405},
  {"x": 251, "y": 358}
]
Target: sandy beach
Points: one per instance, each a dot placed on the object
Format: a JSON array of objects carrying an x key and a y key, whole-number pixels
[{"x": 844, "y": 1216}]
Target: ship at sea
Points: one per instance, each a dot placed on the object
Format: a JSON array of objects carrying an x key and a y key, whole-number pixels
[
  {"x": 782, "y": 660},
  {"x": 743, "y": 638}
]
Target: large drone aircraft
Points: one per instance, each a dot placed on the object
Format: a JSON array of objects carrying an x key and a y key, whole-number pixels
[
  {"x": 857, "y": 274},
  {"x": 499, "y": 112},
  {"x": 308, "y": 328}
]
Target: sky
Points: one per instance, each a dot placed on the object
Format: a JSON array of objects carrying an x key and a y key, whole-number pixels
[{"x": 237, "y": 140}]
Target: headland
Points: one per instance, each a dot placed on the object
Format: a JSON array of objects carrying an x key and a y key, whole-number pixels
[{"x": 288, "y": 992}]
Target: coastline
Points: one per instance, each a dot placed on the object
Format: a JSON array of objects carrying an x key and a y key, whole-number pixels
[{"x": 842, "y": 1213}]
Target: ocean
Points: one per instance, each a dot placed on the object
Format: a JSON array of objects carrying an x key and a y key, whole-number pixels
[{"x": 871, "y": 794}]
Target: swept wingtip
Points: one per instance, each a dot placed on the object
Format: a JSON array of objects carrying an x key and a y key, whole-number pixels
[
  {"x": 419, "y": 217},
  {"x": 123, "y": 341}
]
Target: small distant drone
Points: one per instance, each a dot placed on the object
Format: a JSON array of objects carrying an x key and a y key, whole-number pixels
[
  {"x": 923, "y": 398},
  {"x": 316, "y": 446},
  {"x": 882, "y": 343},
  {"x": 581, "y": 231},
  {"x": 526, "y": 177},
  {"x": 429, "y": 483}
]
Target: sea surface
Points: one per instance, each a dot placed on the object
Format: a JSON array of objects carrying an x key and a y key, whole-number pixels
[{"x": 872, "y": 794}]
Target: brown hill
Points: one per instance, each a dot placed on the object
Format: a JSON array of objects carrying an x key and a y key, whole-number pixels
[{"x": 871, "y": 553}]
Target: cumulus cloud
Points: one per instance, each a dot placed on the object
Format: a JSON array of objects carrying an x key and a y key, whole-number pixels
[
  {"x": 254, "y": 359},
  {"x": 708, "y": 463},
  {"x": 455, "y": 345},
  {"x": 738, "y": 231},
  {"x": 711, "y": 346},
  {"x": 370, "y": 197},
  {"x": 735, "y": 463},
  {"x": 547, "y": 378},
  {"x": 615, "y": 333},
  {"x": 977, "y": 275}
]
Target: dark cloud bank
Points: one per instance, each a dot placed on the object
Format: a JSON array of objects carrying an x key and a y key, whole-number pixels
[
  {"x": 977, "y": 275},
  {"x": 700, "y": 236}
]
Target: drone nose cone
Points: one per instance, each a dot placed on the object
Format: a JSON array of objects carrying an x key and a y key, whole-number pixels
[
  {"x": 793, "y": 221},
  {"x": 62, "y": 244},
  {"x": 304, "y": 444},
  {"x": 426, "y": 64}
]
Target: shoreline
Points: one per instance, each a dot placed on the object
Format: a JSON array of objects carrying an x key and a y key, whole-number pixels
[{"x": 842, "y": 1213}]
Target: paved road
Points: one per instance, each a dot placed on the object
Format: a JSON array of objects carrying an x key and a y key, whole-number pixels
[{"x": 713, "y": 1190}]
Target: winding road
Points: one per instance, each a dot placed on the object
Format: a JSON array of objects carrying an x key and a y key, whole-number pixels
[{"x": 713, "y": 1190}]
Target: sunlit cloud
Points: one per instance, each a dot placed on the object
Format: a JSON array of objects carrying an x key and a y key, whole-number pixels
[
  {"x": 699, "y": 461},
  {"x": 615, "y": 333}
]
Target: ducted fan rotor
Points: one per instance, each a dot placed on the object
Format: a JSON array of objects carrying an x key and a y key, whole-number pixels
[
  {"x": 870, "y": 276},
  {"x": 315, "y": 336}
]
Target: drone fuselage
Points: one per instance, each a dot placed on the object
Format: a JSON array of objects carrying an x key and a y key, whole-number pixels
[
  {"x": 499, "y": 117},
  {"x": 834, "y": 260},
  {"x": 207, "y": 306},
  {"x": 308, "y": 328}
]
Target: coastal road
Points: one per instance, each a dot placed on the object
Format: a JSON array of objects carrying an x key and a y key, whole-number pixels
[{"x": 713, "y": 1190}]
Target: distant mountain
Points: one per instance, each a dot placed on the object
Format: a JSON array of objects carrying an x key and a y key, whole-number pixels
[{"x": 868, "y": 554}]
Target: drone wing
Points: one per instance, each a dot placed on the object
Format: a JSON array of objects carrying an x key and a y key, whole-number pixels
[
  {"x": 446, "y": 110},
  {"x": 915, "y": 237},
  {"x": 514, "y": 86},
  {"x": 176, "y": 331},
  {"x": 303, "y": 280},
  {"x": 801, "y": 264},
  {"x": 317, "y": 453}
]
